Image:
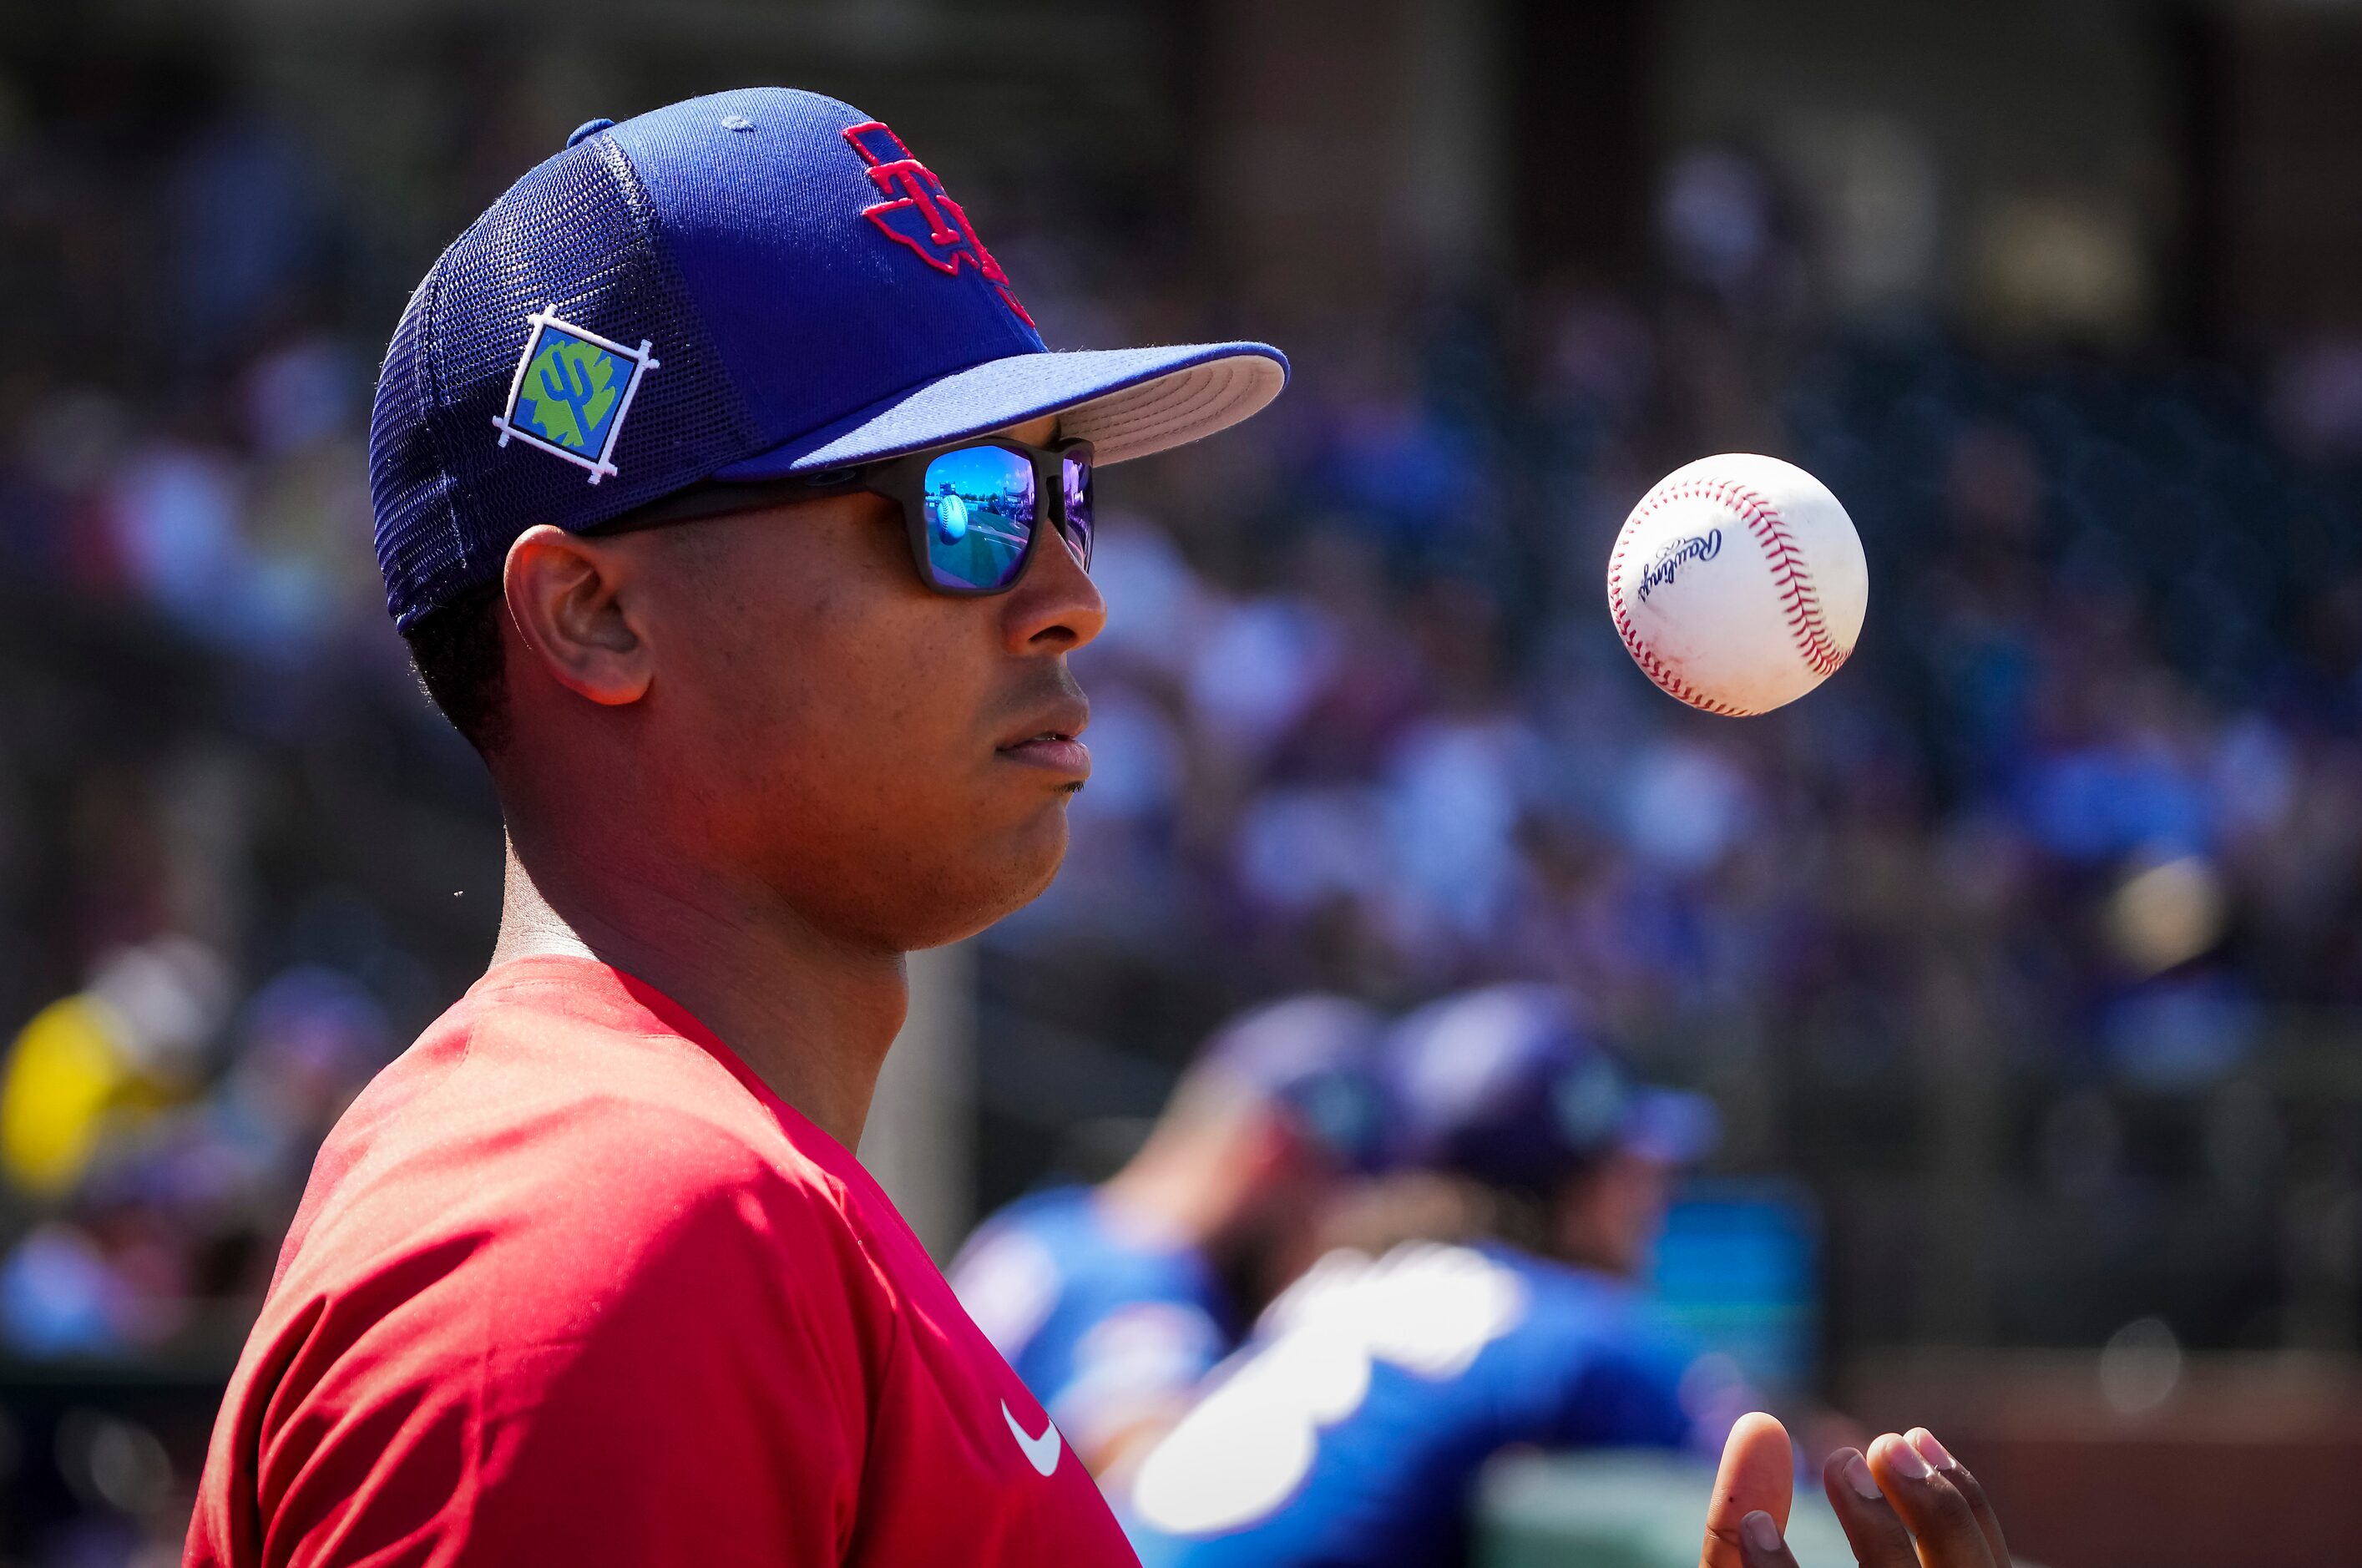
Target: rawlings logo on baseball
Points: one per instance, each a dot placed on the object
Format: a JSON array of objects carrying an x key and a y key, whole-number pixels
[
  {"x": 1774, "y": 618},
  {"x": 1696, "y": 548}
]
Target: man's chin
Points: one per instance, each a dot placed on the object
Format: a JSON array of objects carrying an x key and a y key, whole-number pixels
[{"x": 987, "y": 893}]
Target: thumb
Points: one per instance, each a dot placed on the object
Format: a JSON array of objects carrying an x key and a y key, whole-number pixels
[{"x": 1756, "y": 1473}]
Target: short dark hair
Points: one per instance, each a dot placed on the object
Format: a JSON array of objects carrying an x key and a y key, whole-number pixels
[{"x": 455, "y": 651}]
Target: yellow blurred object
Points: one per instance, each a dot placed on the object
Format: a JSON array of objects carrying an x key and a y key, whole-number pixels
[
  {"x": 2166, "y": 915},
  {"x": 66, "y": 1070}
]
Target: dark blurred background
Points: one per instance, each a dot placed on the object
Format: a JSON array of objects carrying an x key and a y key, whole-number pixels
[{"x": 2026, "y": 953}]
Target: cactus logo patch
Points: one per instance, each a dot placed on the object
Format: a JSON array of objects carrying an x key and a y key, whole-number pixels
[{"x": 571, "y": 392}]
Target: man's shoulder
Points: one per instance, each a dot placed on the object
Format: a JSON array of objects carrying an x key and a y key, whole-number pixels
[
  {"x": 582, "y": 1144},
  {"x": 526, "y": 1086},
  {"x": 555, "y": 1242}
]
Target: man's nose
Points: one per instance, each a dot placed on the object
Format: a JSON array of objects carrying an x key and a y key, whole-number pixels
[{"x": 1055, "y": 607}]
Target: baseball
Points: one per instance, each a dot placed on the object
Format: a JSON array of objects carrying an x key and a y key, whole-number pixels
[{"x": 1738, "y": 583}]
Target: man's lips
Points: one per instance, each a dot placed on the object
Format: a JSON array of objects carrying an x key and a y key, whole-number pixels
[
  {"x": 1054, "y": 743},
  {"x": 1059, "y": 753}
]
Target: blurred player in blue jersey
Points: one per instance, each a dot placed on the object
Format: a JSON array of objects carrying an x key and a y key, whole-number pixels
[
  {"x": 1350, "y": 1429},
  {"x": 1113, "y": 1302}
]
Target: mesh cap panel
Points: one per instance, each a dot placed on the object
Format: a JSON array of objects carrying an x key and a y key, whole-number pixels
[{"x": 576, "y": 238}]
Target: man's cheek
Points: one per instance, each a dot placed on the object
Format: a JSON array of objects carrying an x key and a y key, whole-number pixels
[{"x": 931, "y": 700}]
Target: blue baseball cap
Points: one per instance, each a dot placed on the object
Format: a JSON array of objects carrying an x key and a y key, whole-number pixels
[
  {"x": 1315, "y": 1056},
  {"x": 1510, "y": 1084},
  {"x": 746, "y": 286}
]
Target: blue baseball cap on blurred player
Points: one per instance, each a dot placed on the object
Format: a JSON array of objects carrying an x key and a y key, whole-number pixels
[
  {"x": 753, "y": 285},
  {"x": 1315, "y": 1057},
  {"x": 1509, "y": 1084}
]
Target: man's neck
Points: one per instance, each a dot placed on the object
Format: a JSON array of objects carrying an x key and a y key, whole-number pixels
[{"x": 809, "y": 1015}]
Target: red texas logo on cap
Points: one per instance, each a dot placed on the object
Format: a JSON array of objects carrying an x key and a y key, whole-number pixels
[{"x": 922, "y": 215}]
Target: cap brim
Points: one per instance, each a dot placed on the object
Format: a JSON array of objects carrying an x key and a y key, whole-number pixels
[{"x": 1126, "y": 403}]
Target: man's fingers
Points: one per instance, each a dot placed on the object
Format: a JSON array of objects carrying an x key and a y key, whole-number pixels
[
  {"x": 1872, "y": 1526},
  {"x": 1756, "y": 1476},
  {"x": 1952, "y": 1470},
  {"x": 1759, "y": 1543},
  {"x": 1937, "y": 1514}
]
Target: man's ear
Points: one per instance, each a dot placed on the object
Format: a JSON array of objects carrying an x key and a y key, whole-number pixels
[{"x": 569, "y": 597}]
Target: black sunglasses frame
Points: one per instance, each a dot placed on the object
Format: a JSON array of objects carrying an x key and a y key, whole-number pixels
[{"x": 902, "y": 481}]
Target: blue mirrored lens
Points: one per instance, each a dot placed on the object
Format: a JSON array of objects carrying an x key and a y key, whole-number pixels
[
  {"x": 1080, "y": 529},
  {"x": 980, "y": 508}
]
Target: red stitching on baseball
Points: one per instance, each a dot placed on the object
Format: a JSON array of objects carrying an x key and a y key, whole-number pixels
[
  {"x": 1792, "y": 579},
  {"x": 1650, "y": 665}
]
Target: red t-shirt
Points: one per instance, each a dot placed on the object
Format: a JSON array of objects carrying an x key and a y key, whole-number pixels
[{"x": 570, "y": 1286}]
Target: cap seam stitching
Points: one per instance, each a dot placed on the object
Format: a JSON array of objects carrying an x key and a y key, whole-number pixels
[
  {"x": 643, "y": 209},
  {"x": 1186, "y": 388},
  {"x": 430, "y": 370},
  {"x": 1224, "y": 386}
]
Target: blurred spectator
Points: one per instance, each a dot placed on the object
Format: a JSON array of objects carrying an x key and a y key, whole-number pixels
[
  {"x": 1112, "y": 1302},
  {"x": 166, "y": 1198},
  {"x": 105, "y": 1058},
  {"x": 1351, "y": 1427}
]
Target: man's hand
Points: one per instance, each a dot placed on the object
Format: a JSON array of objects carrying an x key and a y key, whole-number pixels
[{"x": 1907, "y": 1504}]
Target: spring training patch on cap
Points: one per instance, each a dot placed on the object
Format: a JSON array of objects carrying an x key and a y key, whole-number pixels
[{"x": 571, "y": 391}]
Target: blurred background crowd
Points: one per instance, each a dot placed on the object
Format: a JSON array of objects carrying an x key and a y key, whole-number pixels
[{"x": 2025, "y": 956}]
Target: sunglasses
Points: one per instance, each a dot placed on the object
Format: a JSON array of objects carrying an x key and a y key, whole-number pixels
[{"x": 971, "y": 511}]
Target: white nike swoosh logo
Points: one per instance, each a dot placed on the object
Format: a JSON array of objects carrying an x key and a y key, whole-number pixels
[{"x": 1041, "y": 1452}]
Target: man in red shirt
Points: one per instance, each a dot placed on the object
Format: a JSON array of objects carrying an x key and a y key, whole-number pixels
[
  {"x": 732, "y": 507},
  {"x": 761, "y": 627}
]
